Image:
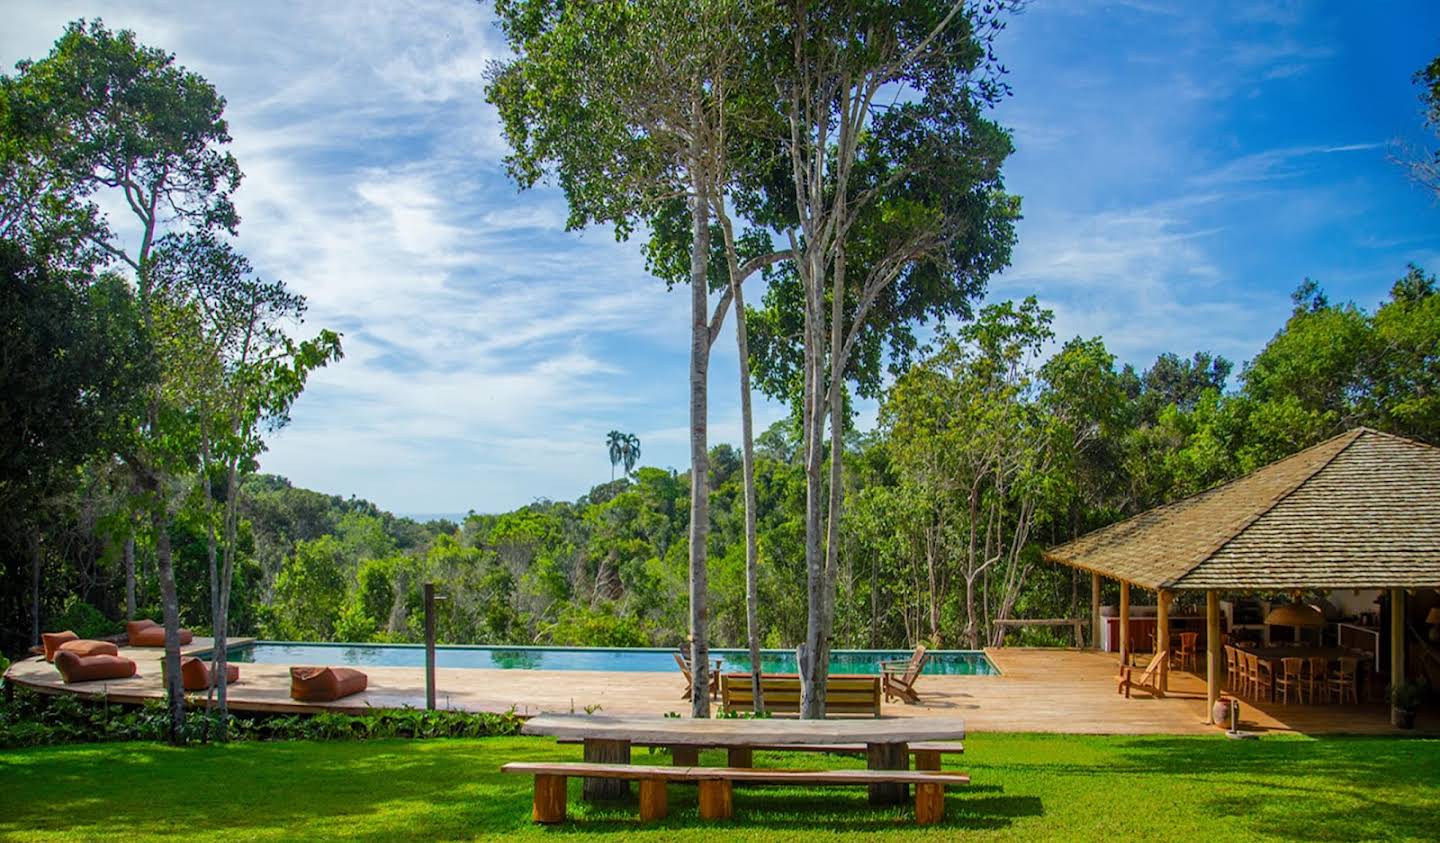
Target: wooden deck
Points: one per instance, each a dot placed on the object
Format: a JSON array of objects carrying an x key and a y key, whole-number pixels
[{"x": 1039, "y": 690}]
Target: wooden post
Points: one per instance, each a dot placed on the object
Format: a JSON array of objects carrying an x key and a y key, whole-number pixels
[
  {"x": 1397, "y": 637},
  {"x": 549, "y": 799},
  {"x": 1124, "y": 622},
  {"x": 717, "y": 801},
  {"x": 740, "y": 756},
  {"x": 654, "y": 800},
  {"x": 430, "y": 652},
  {"x": 1095, "y": 618},
  {"x": 1212, "y": 653},
  {"x": 927, "y": 759},
  {"x": 685, "y": 756},
  {"x": 1162, "y": 635},
  {"x": 606, "y": 752},
  {"x": 929, "y": 803},
  {"x": 888, "y": 756}
]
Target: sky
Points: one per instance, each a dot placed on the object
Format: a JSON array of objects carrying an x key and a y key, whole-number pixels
[{"x": 1183, "y": 167}]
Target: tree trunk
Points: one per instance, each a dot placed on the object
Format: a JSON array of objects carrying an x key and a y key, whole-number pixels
[
  {"x": 699, "y": 456},
  {"x": 972, "y": 627},
  {"x": 130, "y": 573},
  {"x": 814, "y": 655},
  {"x": 747, "y": 456},
  {"x": 35, "y": 586},
  {"x": 174, "y": 688}
]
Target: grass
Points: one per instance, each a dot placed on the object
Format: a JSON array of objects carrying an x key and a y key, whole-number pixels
[{"x": 1026, "y": 787}]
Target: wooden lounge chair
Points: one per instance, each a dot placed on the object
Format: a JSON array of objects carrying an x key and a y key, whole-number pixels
[
  {"x": 844, "y": 694},
  {"x": 898, "y": 676},
  {"x": 684, "y": 664},
  {"x": 1148, "y": 681}
]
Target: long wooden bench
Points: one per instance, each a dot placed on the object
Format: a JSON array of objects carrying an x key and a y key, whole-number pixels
[
  {"x": 844, "y": 694},
  {"x": 927, "y": 754},
  {"x": 717, "y": 785}
]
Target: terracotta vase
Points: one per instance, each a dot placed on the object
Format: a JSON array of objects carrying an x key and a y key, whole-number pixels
[{"x": 1221, "y": 713}]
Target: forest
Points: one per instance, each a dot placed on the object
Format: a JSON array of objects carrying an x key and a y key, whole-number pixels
[{"x": 1044, "y": 447}]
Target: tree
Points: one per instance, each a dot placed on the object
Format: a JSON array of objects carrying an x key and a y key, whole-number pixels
[
  {"x": 1425, "y": 168},
  {"x": 113, "y": 115},
  {"x": 630, "y": 453},
  {"x": 244, "y": 374},
  {"x": 632, "y": 107},
  {"x": 895, "y": 213},
  {"x": 615, "y": 443}
]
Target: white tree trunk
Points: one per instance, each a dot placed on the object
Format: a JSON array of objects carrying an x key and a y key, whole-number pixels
[
  {"x": 747, "y": 456},
  {"x": 699, "y": 456}
]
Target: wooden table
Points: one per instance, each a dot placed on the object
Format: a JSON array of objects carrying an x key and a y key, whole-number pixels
[
  {"x": 607, "y": 739},
  {"x": 1273, "y": 655}
]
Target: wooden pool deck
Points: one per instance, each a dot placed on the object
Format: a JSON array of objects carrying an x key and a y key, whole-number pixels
[{"x": 1038, "y": 690}]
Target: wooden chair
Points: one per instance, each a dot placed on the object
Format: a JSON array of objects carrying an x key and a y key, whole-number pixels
[
  {"x": 1289, "y": 678},
  {"x": 1189, "y": 659},
  {"x": 1318, "y": 678},
  {"x": 684, "y": 664},
  {"x": 1257, "y": 676},
  {"x": 1148, "y": 681},
  {"x": 1234, "y": 673},
  {"x": 898, "y": 676},
  {"x": 1342, "y": 682}
]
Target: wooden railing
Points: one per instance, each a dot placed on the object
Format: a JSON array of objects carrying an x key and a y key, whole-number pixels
[{"x": 1077, "y": 623}]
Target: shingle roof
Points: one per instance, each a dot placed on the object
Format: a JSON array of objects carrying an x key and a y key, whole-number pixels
[{"x": 1361, "y": 510}]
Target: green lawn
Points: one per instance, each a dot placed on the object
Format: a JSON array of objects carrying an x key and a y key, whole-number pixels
[{"x": 1025, "y": 787}]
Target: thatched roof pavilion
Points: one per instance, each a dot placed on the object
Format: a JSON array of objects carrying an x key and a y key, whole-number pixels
[{"x": 1360, "y": 510}]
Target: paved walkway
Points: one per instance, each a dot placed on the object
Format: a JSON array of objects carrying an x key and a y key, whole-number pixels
[{"x": 1039, "y": 690}]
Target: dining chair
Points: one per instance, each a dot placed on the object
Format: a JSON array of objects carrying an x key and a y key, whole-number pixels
[
  {"x": 1264, "y": 677},
  {"x": 1188, "y": 658},
  {"x": 1289, "y": 677},
  {"x": 1317, "y": 680},
  {"x": 1342, "y": 682}
]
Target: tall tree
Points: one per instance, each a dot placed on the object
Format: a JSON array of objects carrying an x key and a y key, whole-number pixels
[
  {"x": 1425, "y": 168},
  {"x": 118, "y": 117},
  {"x": 896, "y": 213},
  {"x": 615, "y": 444},
  {"x": 630, "y": 106}
]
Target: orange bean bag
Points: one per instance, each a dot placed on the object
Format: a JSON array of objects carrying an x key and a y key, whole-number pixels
[
  {"x": 86, "y": 647},
  {"x": 325, "y": 684},
  {"x": 74, "y": 668},
  {"x": 147, "y": 633},
  {"x": 195, "y": 673},
  {"x": 51, "y": 641}
]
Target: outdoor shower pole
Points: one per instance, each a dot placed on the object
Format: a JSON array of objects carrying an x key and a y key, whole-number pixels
[{"x": 429, "y": 646}]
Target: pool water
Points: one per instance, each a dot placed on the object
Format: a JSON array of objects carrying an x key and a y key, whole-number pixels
[{"x": 951, "y": 662}]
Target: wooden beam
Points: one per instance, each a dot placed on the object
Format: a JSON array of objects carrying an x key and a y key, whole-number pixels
[
  {"x": 1095, "y": 618},
  {"x": 1124, "y": 622},
  {"x": 1212, "y": 653},
  {"x": 1162, "y": 634},
  {"x": 1397, "y": 636}
]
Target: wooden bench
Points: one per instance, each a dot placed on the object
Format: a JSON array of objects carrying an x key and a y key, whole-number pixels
[
  {"x": 927, "y": 753},
  {"x": 844, "y": 694},
  {"x": 717, "y": 785}
]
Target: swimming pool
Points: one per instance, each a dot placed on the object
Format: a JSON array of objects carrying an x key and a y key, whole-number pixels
[{"x": 626, "y": 660}]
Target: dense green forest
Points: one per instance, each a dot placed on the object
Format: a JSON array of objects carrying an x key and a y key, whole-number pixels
[{"x": 1052, "y": 447}]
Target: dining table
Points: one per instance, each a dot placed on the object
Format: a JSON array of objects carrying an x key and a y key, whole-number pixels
[
  {"x": 607, "y": 739},
  {"x": 1274, "y": 654}
]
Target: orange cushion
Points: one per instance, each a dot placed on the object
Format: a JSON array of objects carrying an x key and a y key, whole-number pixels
[
  {"x": 154, "y": 636},
  {"x": 85, "y": 647},
  {"x": 325, "y": 684},
  {"x": 74, "y": 668},
  {"x": 134, "y": 627},
  {"x": 52, "y": 641},
  {"x": 195, "y": 673}
]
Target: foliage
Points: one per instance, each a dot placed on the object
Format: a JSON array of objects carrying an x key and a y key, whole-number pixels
[
  {"x": 84, "y": 620},
  {"x": 41, "y": 720}
]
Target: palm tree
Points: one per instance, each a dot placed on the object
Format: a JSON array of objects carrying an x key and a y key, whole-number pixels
[
  {"x": 616, "y": 442},
  {"x": 630, "y": 453}
]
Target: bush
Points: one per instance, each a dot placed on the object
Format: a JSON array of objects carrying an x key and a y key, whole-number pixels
[
  {"x": 83, "y": 619},
  {"x": 38, "y": 720}
]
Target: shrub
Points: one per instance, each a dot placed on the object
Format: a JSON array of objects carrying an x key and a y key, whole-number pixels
[
  {"x": 35, "y": 720},
  {"x": 84, "y": 620}
]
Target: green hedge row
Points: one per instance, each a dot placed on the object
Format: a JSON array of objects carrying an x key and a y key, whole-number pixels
[{"x": 37, "y": 720}]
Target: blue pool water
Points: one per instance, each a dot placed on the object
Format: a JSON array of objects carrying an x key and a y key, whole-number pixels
[{"x": 954, "y": 662}]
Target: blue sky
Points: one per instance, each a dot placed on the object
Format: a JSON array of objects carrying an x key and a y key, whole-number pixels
[{"x": 1183, "y": 166}]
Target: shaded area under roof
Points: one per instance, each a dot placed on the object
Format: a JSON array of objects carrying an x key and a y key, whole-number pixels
[{"x": 1360, "y": 510}]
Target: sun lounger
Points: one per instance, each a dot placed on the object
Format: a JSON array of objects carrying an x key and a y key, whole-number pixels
[
  {"x": 147, "y": 633},
  {"x": 75, "y": 668},
  {"x": 51, "y": 642},
  {"x": 325, "y": 684}
]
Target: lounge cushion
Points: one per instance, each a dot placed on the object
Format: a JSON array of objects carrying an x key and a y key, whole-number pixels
[
  {"x": 325, "y": 684},
  {"x": 51, "y": 641},
  {"x": 86, "y": 647},
  {"x": 75, "y": 668},
  {"x": 195, "y": 673},
  {"x": 148, "y": 633}
]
